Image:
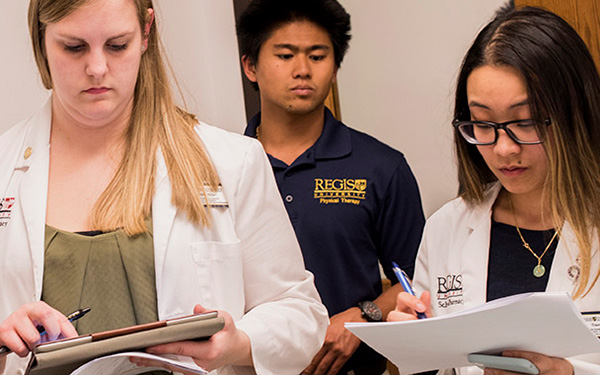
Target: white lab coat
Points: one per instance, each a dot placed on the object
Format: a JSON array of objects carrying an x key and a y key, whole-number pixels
[
  {"x": 455, "y": 247},
  {"x": 247, "y": 263}
]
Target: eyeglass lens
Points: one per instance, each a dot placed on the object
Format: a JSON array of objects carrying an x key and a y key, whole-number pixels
[{"x": 484, "y": 133}]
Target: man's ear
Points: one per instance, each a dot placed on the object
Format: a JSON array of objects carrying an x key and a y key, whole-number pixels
[{"x": 249, "y": 68}]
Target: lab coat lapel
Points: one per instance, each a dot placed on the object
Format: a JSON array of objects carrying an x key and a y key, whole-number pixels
[
  {"x": 566, "y": 267},
  {"x": 475, "y": 254},
  {"x": 34, "y": 161},
  {"x": 163, "y": 217},
  {"x": 564, "y": 258}
]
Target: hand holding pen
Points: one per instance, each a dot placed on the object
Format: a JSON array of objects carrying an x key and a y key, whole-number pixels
[
  {"x": 42, "y": 331},
  {"x": 406, "y": 285}
]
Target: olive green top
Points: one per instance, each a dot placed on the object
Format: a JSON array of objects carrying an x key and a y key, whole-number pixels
[{"x": 111, "y": 273}]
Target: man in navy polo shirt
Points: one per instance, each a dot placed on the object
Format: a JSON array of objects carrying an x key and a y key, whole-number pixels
[{"x": 352, "y": 200}]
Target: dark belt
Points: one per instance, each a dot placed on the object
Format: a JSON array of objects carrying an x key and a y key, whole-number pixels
[{"x": 368, "y": 368}]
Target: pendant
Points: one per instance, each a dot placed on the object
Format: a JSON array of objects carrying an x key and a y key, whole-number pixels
[{"x": 539, "y": 270}]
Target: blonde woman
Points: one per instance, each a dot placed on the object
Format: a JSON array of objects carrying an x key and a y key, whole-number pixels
[
  {"x": 527, "y": 121},
  {"x": 116, "y": 199}
]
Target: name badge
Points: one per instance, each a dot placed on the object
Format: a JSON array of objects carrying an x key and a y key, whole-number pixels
[
  {"x": 592, "y": 319},
  {"x": 215, "y": 198}
]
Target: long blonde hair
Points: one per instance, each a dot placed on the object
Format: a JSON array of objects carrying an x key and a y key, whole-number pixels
[
  {"x": 562, "y": 84},
  {"x": 156, "y": 122}
]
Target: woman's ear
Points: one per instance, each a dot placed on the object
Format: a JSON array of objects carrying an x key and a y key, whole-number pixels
[{"x": 147, "y": 27}]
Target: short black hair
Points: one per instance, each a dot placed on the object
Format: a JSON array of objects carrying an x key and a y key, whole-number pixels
[{"x": 262, "y": 17}]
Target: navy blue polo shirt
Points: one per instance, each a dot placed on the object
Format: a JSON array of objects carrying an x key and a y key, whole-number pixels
[{"x": 353, "y": 202}]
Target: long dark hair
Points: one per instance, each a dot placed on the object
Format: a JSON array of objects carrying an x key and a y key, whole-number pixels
[{"x": 562, "y": 84}]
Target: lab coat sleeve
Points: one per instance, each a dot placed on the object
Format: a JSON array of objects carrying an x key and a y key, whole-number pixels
[{"x": 285, "y": 319}]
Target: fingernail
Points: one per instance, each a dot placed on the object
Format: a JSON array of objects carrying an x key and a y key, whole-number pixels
[{"x": 420, "y": 306}]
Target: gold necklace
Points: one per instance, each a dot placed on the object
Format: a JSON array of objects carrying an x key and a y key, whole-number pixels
[{"x": 539, "y": 270}]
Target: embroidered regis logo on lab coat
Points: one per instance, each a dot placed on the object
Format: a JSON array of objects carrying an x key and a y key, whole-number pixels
[{"x": 450, "y": 291}]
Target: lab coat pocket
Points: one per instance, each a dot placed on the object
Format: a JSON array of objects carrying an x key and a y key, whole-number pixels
[{"x": 220, "y": 274}]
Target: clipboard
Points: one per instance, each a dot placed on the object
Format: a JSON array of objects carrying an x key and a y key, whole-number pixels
[{"x": 66, "y": 355}]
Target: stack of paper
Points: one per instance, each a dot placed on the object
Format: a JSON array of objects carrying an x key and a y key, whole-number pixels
[
  {"x": 547, "y": 323},
  {"x": 119, "y": 364}
]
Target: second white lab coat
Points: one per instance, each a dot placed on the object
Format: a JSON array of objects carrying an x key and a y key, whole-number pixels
[
  {"x": 247, "y": 263},
  {"x": 453, "y": 260}
]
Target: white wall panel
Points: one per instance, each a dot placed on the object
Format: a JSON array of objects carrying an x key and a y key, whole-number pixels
[{"x": 397, "y": 81}]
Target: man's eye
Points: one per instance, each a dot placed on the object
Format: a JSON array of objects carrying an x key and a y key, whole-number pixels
[
  {"x": 286, "y": 56},
  {"x": 317, "y": 57}
]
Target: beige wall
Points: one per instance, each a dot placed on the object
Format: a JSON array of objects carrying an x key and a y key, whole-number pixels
[
  {"x": 21, "y": 91},
  {"x": 199, "y": 36},
  {"x": 397, "y": 81}
]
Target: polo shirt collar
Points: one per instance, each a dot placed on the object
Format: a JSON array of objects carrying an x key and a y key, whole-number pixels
[
  {"x": 252, "y": 125},
  {"x": 333, "y": 143}
]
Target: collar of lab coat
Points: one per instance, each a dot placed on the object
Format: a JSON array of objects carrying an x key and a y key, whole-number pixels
[
  {"x": 474, "y": 254},
  {"x": 163, "y": 216},
  {"x": 483, "y": 211}
]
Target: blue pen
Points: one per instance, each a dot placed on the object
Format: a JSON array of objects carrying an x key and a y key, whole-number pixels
[
  {"x": 403, "y": 278},
  {"x": 71, "y": 317}
]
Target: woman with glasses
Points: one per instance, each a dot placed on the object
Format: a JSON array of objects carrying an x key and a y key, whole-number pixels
[{"x": 527, "y": 137}]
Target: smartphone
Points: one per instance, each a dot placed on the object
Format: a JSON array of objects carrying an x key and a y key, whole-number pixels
[{"x": 521, "y": 365}]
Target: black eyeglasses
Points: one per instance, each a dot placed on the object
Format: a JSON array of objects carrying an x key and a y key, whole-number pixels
[{"x": 524, "y": 132}]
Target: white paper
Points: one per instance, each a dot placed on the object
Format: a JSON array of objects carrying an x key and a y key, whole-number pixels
[
  {"x": 119, "y": 364},
  {"x": 547, "y": 323}
]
